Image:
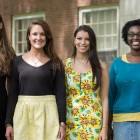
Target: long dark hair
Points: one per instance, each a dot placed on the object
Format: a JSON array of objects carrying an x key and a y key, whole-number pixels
[
  {"x": 92, "y": 55},
  {"x": 7, "y": 53},
  {"x": 49, "y": 47}
]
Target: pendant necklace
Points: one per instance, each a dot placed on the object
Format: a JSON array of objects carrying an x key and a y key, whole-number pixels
[
  {"x": 84, "y": 65},
  {"x": 35, "y": 60}
]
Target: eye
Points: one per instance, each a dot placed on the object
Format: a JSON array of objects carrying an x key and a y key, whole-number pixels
[
  {"x": 42, "y": 34},
  {"x": 132, "y": 34},
  {"x": 88, "y": 39},
  {"x": 34, "y": 33},
  {"x": 79, "y": 38}
]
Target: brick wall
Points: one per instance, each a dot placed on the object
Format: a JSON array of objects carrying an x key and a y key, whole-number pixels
[{"x": 61, "y": 15}]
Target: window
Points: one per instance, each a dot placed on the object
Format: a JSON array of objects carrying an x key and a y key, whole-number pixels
[
  {"x": 104, "y": 22},
  {"x": 20, "y": 25}
]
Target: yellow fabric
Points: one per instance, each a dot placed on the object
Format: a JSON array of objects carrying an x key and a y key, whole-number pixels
[
  {"x": 36, "y": 118},
  {"x": 124, "y": 58},
  {"x": 126, "y": 117}
]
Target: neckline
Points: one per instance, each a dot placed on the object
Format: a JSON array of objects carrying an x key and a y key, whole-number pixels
[
  {"x": 77, "y": 71},
  {"x": 34, "y": 66},
  {"x": 128, "y": 62}
]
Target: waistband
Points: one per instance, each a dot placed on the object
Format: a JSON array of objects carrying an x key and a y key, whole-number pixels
[{"x": 45, "y": 98}]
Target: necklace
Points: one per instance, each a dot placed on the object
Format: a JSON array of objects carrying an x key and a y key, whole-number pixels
[
  {"x": 81, "y": 65},
  {"x": 36, "y": 60},
  {"x": 82, "y": 61}
]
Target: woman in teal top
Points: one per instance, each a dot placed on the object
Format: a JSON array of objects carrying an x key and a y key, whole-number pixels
[{"x": 124, "y": 94}]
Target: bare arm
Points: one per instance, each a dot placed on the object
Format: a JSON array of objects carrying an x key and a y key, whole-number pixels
[{"x": 104, "y": 98}]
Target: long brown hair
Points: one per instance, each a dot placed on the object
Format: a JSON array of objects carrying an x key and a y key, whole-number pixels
[
  {"x": 6, "y": 51},
  {"x": 49, "y": 47},
  {"x": 92, "y": 55}
]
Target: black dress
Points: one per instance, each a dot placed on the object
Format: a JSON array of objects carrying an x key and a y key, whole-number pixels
[{"x": 3, "y": 102}]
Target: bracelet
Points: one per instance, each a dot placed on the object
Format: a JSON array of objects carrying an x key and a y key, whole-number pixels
[
  {"x": 63, "y": 126},
  {"x": 104, "y": 126}
]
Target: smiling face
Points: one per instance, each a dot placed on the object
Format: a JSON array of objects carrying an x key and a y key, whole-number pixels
[
  {"x": 133, "y": 38},
  {"x": 37, "y": 37},
  {"x": 82, "y": 42}
]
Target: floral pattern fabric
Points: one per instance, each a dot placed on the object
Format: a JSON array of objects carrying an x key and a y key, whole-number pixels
[{"x": 84, "y": 108}]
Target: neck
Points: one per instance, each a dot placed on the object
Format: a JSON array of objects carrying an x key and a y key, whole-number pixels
[
  {"x": 135, "y": 53},
  {"x": 37, "y": 53},
  {"x": 81, "y": 57}
]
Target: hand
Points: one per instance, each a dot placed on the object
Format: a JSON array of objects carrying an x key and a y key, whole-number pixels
[
  {"x": 103, "y": 134},
  {"x": 9, "y": 133},
  {"x": 61, "y": 133},
  {"x": 110, "y": 133}
]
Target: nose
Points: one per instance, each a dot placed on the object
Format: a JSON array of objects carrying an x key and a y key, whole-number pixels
[
  {"x": 38, "y": 36},
  {"x": 83, "y": 41},
  {"x": 136, "y": 36}
]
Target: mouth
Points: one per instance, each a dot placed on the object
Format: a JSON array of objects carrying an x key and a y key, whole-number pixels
[
  {"x": 38, "y": 42},
  {"x": 135, "y": 43},
  {"x": 83, "y": 47}
]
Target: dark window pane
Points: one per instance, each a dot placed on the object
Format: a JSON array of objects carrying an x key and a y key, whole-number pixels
[
  {"x": 19, "y": 48},
  {"x": 107, "y": 56}
]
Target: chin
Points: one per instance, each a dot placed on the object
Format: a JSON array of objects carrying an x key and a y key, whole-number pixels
[{"x": 136, "y": 48}]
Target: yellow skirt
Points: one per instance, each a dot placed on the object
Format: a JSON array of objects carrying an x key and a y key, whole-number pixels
[{"x": 36, "y": 118}]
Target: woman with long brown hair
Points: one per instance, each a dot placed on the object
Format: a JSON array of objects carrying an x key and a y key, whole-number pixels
[
  {"x": 87, "y": 83},
  {"x": 37, "y": 90},
  {"x": 6, "y": 55}
]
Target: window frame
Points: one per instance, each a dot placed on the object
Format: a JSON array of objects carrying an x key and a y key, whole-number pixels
[
  {"x": 20, "y": 17},
  {"x": 101, "y": 8}
]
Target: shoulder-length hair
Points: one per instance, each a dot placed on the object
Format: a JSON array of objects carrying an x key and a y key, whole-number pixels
[
  {"x": 92, "y": 54},
  {"x": 49, "y": 46},
  {"x": 7, "y": 53}
]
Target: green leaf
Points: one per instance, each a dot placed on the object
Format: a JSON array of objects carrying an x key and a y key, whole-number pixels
[
  {"x": 76, "y": 100},
  {"x": 82, "y": 109},
  {"x": 88, "y": 111},
  {"x": 76, "y": 119},
  {"x": 97, "y": 131},
  {"x": 74, "y": 134}
]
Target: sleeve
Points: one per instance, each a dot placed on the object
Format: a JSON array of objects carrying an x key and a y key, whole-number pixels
[
  {"x": 112, "y": 88},
  {"x": 13, "y": 94},
  {"x": 60, "y": 92}
]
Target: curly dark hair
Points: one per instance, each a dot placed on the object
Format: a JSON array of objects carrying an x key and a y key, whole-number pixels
[
  {"x": 92, "y": 55},
  {"x": 126, "y": 28}
]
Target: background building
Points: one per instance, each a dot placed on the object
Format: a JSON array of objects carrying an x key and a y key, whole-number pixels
[{"x": 106, "y": 17}]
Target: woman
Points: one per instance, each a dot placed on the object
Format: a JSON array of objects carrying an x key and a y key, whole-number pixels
[
  {"x": 37, "y": 90},
  {"x": 124, "y": 94},
  {"x": 86, "y": 89},
  {"x": 6, "y": 55}
]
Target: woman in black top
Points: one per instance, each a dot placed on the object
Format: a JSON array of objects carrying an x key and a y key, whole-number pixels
[
  {"x": 6, "y": 56},
  {"x": 37, "y": 90}
]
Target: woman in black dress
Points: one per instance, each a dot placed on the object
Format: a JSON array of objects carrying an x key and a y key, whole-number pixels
[{"x": 6, "y": 55}]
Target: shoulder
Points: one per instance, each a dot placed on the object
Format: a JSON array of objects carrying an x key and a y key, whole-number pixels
[
  {"x": 117, "y": 61},
  {"x": 104, "y": 66},
  {"x": 17, "y": 58},
  {"x": 67, "y": 61}
]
